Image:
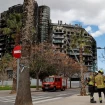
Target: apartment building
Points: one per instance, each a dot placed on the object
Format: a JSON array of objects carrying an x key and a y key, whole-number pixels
[
  {"x": 6, "y": 41},
  {"x": 60, "y": 34},
  {"x": 63, "y": 36},
  {"x": 43, "y": 23}
]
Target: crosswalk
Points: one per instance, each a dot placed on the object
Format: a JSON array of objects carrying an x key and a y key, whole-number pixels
[{"x": 35, "y": 99}]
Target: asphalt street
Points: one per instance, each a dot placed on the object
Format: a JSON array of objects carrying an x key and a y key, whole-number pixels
[{"x": 38, "y": 97}]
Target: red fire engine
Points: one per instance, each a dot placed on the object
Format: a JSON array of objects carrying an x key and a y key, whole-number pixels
[{"x": 54, "y": 83}]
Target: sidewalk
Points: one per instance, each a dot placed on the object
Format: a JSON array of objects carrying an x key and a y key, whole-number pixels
[{"x": 76, "y": 100}]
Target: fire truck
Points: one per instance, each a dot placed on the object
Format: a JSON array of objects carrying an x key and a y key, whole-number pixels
[{"x": 54, "y": 83}]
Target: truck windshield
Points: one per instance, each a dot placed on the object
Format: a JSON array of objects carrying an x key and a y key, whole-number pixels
[{"x": 48, "y": 79}]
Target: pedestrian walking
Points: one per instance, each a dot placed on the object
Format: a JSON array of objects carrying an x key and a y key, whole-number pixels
[
  {"x": 100, "y": 82},
  {"x": 91, "y": 85}
]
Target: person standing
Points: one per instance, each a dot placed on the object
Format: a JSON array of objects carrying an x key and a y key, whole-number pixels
[
  {"x": 91, "y": 84},
  {"x": 99, "y": 80}
]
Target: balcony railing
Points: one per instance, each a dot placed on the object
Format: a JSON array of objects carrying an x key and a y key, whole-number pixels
[
  {"x": 58, "y": 41},
  {"x": 58, "y": 32},
  {"x": 58, "y": 36},
  {"x": 71, "y": 53}
]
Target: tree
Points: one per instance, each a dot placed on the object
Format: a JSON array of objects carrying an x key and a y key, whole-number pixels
[
  {"x": 4, "y": 63},
  {"x": 51, "y": 70},
  {"x": 13, "y": 26},
  {"x": 80, "y": 42},
  {"x": 13, "y": 32},
  {"x": 14, "y": 66},
  {"x": 73, "y": 68},
  {"x": 59, "y": 62},
  {"x": 24, "y": 94},
  {"x": 41, "y": 60}
]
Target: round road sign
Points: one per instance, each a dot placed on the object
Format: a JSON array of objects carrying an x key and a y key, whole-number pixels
[{"x": 17, "y": 51}]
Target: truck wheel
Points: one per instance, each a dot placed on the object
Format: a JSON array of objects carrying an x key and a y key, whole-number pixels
[
  {"x": 54, "y": 89},
  {"x": 62, "y": 89},
  {"x": 43, "y": 90}
]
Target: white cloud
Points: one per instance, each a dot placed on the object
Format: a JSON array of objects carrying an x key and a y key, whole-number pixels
[
  {"x": 89, "y": 12},
  {"x": 102, "y": 28},
  {"x": 97, "y": 33},
  {"x": 88, "y": 29}
]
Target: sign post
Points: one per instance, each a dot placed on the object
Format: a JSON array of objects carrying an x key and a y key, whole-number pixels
[{"x": 17, "y": 54}]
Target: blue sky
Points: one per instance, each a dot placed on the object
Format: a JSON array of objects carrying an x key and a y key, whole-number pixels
[
  {"x": 88, "y": 13},
  {"x": 101, "y": 43}
]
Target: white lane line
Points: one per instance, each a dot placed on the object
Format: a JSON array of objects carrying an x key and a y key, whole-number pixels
[
  {"x": 33, "y": 99},
  {"x": 47, "y": 100},
  {"x": 8, "y": 96},
  {"x": 61, "y": 94},
  {"x": 37, "y": 96},
  {"x": 36, "y": 99},
  {"x": 7, "y": 100},
  {"x": 40, "y": 98}
]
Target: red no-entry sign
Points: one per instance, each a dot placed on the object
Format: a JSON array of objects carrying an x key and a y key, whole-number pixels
[{"x": 17, "y": 51}]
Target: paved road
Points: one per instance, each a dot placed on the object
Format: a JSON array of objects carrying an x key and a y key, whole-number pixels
[{"x": 40, "y": 97}]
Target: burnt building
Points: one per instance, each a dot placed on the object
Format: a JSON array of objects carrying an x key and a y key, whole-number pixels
[
  {"x": 43, "y": 23},
  {"x": 59, "y": 34},
  {"x": 7, "y": 41},
  {"x": 63, "y": 36}
]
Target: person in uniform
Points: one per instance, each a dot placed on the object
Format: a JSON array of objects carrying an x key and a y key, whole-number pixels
[
  {"x": 99, "y": 80},
  {"x": 91, "y": 84}
]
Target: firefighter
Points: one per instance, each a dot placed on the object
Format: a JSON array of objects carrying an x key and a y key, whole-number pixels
[
  {"x": 91, "y": 84},
  {"x": 99, "y": 79},
  {"x": 95, "y": 86},
  {"x": 104, "y": 85}
]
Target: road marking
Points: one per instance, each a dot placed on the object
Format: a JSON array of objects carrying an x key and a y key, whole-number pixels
[
  {"x": 64, "y": 94},
  {"x": 40, "y": 98},
  {"x": 47, "y": 100},
  {"x": 8, "y": 96},
  {"x": 61, "y": 94},
  {"x": 35, "y": 99},
  {"x": 7, "y": 100}
]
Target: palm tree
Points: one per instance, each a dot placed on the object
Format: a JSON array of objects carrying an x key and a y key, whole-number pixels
[
  {"x": 24, "y": 94},
  {"x": 13, "y": 31},
  {"x": 80, "y": 42},
  {"x": 13, "y": 28}
]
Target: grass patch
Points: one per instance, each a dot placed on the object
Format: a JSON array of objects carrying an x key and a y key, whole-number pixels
[
  {"x": 5, "y": 88},
  {"x": 10, "y": 88},
  {"x": 34, "y": 86}
]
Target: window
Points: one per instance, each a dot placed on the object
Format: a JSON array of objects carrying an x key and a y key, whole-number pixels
[
  {"x": 49, "y": 79},
  {"x": 57, "y": 79}
]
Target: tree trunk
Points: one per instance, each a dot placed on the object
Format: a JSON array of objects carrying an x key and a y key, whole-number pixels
[
  {"x": 83, "y": 90},
  {"x": 70, "y": 81},
  {"x": 37, "y": 82},
  {"x": 14, "y": 86},
  {"x": 14, "y": 65},
  {"x": 23, "y": 93},
  {"x": 2, "y": 81}
]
